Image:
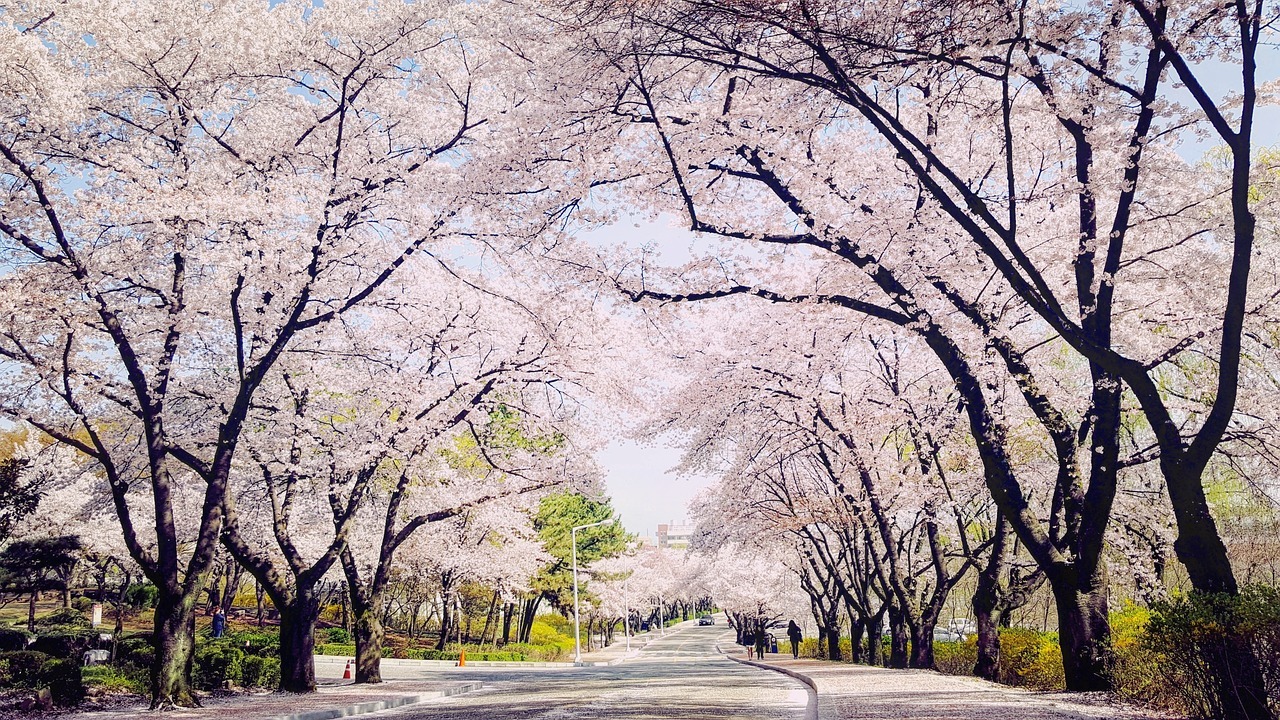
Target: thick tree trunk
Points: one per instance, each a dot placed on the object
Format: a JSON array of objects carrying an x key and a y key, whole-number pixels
[
  {"x": 922, "y": 645},
  {"x": 987, "y": 666},
  {"x": 369, "y": 634},
  {"x": 1084, "y": 632},
  {"x": 31, "y": 612},
  {"x": 298, "y": 641},
  {"x": 857, "y": 634},
  {"x": 875, "y": 645},
  {"x": 898, "y": 650},
  {"x": 175, "y": 634},
  {"x": 833, "y": 642}
]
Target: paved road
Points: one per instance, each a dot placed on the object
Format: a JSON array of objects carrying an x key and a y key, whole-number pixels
[{"x": 679, "y": 677}]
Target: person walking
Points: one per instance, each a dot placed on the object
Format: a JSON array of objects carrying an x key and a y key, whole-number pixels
[
  {"x": 793, "y": 634},
  {"x": 749, "y": 639},
  {"x": 219, "y": 623}
]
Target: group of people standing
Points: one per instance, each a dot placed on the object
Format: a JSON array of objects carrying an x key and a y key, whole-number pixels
[{"x": 756, "y": 642}]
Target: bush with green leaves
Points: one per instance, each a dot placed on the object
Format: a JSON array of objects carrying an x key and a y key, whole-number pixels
[
  {"x": 12, "y": 640},
  {"x": 218, "y": 665},
  {"x": 21, "y": 669},
  {"x": 63, "y": 679},
  {"x": 63, "y": 618},
  {"x": 116, "y": 678},
  {"x": 337, "y": 635},
  {"x": 257, "y": 671},
  {"x": 137, "y": 650},
  {"x": 65, "y": 645},
  {"x": 82, "y": 604},
  {"x": 254, "y": 642},
  {"x": 141, "y": 596},
  {"x": 1201, "y": 638}
]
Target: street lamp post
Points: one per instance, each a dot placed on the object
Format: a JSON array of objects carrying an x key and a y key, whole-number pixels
[{"x": 573, "y": 538}]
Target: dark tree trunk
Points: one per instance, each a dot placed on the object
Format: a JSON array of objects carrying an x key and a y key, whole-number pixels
[
  {"x": 922, "y": 645},
  {"x": 298, "y": 641},
  {"x": 508, "y": 610},
  {"x": 1084, "y": 632},
  {"x": 857, "y": 633},
  {"x": 369, "y": 634},
  {"x": 527, "y": 614},
  {"x": 987, "y": 666},
  {"x": 875, "y": 644},
  {"x": 175, "y": 632},
  {"x": 833, "y": 642},
  {"x": 446, "y": 623},
  {"x": 31, "y": 612},
  {"x": 898, "y": 651}
]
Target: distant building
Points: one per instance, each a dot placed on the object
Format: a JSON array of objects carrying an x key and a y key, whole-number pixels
[
  {"x": 674, "y": 535},
  {"x": 646, "y": 541}
]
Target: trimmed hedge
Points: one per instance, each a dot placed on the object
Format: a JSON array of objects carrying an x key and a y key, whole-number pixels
[
  {"x": 65, "y": 618},
  {"x": 257, "y": 671},
  {"x": 12, "y": 640},
  {"x": 217, "y": 666},
  {"x": 63, "y": 679},
  {"x": 21, "y": 669},
  {"x": 65, "y": 645}
]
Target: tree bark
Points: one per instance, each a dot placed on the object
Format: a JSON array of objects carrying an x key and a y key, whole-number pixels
[
  {"x": 298, "y": 641},
  {"x": 175, "y": 623},
  {"x": 833, "y": 642},
  {"x": 1084, "y": 631},
  {"x": 987, "y": 666},
  {"x": 898, "y": 655}
]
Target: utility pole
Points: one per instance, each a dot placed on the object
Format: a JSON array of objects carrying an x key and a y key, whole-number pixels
[{"x": 573, "y": 539}]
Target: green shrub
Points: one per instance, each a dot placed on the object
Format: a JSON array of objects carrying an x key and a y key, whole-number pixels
[
  {"x": 136, "y": 650},
  {"x": 64, "y": 618},
  {"x": 338, "y": 635},
  {"x": 254, "y": 642},
  {"x": 346, "y": 649},
  {"x": 65, "y": 645},
  {"x": 21, "y": 669},
  {"x": 141, "y": 596},
  {"x": 1199, "y": 639},
  {"x": 113, "y": 678},
  {"x": 62, "y": 677},
  {"x": 218, "y": 665},
  {"x": 540, "y": 653},
  {"x": 257, "y": 671},
  {"x": 12, "y": 640},
  {"x": 82, "y": 603}
]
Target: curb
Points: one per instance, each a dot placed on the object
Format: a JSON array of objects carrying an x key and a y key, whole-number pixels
[
  {"x": 378, "y": 705},
  {"x": 811, "y": 707}
]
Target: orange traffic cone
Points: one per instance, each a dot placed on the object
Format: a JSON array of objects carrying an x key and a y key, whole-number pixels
[
  {"x": 462, "y": 659},
  {"x": 346, "y": 674}
]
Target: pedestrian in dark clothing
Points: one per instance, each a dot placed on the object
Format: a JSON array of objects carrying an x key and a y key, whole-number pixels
[
  {"x": 219, "y": 623},
  {"x": 793, "y": 634},
  {"x": 749, "y": 639}
]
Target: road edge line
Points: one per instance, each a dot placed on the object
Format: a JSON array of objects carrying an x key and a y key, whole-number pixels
[
  {"x": 811, "y": 708},
  {"x": 373, "y": 706}
]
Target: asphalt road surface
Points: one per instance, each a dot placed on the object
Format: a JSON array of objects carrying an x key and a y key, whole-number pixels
[{"x": 678, "y": 677}]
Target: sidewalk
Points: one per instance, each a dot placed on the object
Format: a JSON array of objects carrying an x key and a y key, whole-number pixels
[
  {"x": 329, "y": 701},
  {"x": 846, "y": 691}
]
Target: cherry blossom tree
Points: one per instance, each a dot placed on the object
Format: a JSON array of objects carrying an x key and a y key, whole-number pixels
[{"x": 190, "y": 190}]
